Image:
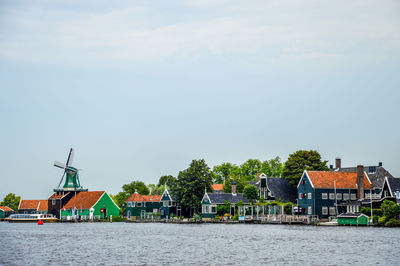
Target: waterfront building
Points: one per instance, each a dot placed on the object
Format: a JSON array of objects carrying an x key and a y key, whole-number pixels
[
  {"x": 142, "y": 206},
  {"x": 5, "y": 211},
  {"x": 170, "y": 206},
  {"x": 87, "y": 204},
  {"x": 210, "y": 201},
  {"x": 376, "y": 174},
  {"x": 33, "y": 206},
  {"x": 318, "y": 191},
  {"x": 274, "y": 188},
  {"x": 352, "y": 219},
  {"x": 391, "y": 189}
]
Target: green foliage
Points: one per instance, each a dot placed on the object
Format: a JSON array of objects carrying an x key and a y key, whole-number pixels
[
  {"x": 224, "y": 171},
  {"x": 390, "y": 209},
  {"x": 250, "y": 168},
  {"x": 118, "y": 219},
  {"x": 392, "y": 222},
  {"x": 250, "y": 192},
  {"x": 381, "y": 220},
  {"x": 302, "y": 160},
  {"x": 366, "y": 210},
  {"x": 138, "y": 186},
  {"x": 168, "y": 180},
  {"x": 224, "y": 208},
  {"x": 11, "y": 200},
  {"x": 190, "y": 184},
  {"x": 241, "y": 182}
]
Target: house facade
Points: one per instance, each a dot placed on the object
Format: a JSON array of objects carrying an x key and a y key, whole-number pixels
[
  {"x": 325, "y": 193},
  {"x": 391, "y": 189},
  {"x": 274, "y": 188},
  {"x": 88, "y": 204},
  {"x": 5, "y": 211},
  {"x": 210, "y": 201},
  {"x": 170, "y": 206},
  {"x": 57, "y": 201},
  {"x": 142, "y": 206}
]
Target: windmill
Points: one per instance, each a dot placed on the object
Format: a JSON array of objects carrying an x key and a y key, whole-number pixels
[{"x": 71, "y": 175}]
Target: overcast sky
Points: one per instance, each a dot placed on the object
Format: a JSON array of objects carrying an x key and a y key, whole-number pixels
[{"x": 140, "y": 88}]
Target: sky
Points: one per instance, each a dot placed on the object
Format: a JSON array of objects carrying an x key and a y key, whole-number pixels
[{"x": 141, "y": 88}]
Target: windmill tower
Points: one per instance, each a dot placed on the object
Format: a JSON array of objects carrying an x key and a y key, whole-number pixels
[{"x": 71, "y": 176}]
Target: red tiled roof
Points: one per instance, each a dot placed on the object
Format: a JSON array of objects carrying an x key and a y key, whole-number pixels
[
  {"x": 147, "y": 198},
  {"x": 322, "y": 179},
  {"x": 84, "y": 199},
  {"x": 6, "y": 209},
  {"x": 60, "y": 196},
  {"x": 217, "y": 187},
  {"x": 29, "y": 204},
  {"x": 43, "y": 205}
]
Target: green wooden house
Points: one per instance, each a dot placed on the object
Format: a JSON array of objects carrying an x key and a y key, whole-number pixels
[
  {"x": 352, "y": 219},
  {"x": 5, "y": 211},
  {"x": 142, "y": 206},
  {"x": 90, "y": 204}
]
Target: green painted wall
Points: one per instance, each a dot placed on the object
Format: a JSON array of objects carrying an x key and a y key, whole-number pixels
[
  {"x": 136, "y": 211},
  {"x": 2, "y": 214},
  {"x": 105, "y": 200},
  {"x": 361, "y": 220}
]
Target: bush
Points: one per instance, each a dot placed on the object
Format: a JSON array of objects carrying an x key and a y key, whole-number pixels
[
  {"x": 366, "y": 211},
  {"x": 392, "y": 222},
  {"x": 382, "y": 220},
  {"x": 375, "y": 219}
]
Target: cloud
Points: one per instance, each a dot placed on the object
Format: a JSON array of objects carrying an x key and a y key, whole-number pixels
[{"x": 138, "y": 34}]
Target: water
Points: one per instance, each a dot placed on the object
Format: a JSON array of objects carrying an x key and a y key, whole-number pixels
[{"x": 199, "y": 244}]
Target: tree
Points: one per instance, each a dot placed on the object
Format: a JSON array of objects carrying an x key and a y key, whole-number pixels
[
  {"x": 240, "y": 184},
  {"x": 250, "y": 168},
  {"x": 11, "y": 201},
  {"x": 190, "y": 184},
  {"x": 302, "y": 160},
  {"x": 168, "y": 180},
  {"x": 390, "y": 209},
  {"x": 120, "y": 199},
  {"x": 250, "y": 192},
  {"x": 224, "y": 171},
  {"x": 273, "y": 167},
  {"x": 134, "y": 186}
]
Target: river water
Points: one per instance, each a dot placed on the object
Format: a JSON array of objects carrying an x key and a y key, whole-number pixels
[{"x": 198, "y": 244}]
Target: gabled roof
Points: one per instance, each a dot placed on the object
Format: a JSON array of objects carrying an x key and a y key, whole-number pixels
[
  {"x": 351, "y": 215},
  {"x": 344, "y": 180},
  {"x": 217, "y": 187},
  {"x": 147, "y": 198},
  {"x": 84, "y": 199},
  {"x": 6, "y": 209},
  {"x": 170, "y": 195},
  {"x": 281, "y": 189},
  {"x": 31, "y": 204},
  {"x": 377, "y": 178},
  {"x": 394, "y": 184},
  {"x": 220, "y": 198},
  {"x": 43, "y": 205},
  {"x": 59, "y": 196}
]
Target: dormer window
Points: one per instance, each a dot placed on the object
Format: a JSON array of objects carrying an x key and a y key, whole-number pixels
[{"x": 371, "y": 169}]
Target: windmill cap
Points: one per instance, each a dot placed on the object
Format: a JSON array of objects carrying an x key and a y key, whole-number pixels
[{"x": 234, "y": 182}]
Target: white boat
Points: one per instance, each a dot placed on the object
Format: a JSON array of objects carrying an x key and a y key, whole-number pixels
[
  {"x": 332, "y": 222},
  {"x": 31, "y": 218}
]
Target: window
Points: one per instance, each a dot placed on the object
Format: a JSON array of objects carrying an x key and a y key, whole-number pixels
[
  {"x": 155, "y": 210},
  {"x": 371, "y": 169},
  {"x": 332, "y": 211},
  {"x": 339, "y": 196},
  {"x": 205, "y": 209},
  {"x": 139, "y": 204},
  {"x": 309, "y": 212},
  {"x": 144, "y": 204},
  {"x": 169, "y": 203},
  {"x": 53, "y": 202},
  {"x": 309, "y": 195},
  {"x": 213, "y": 209},
  {"x": 397, "y": 194},
  {"x": 165, "y": 203},
  {"x": 324, "y": 210},
  {"x": 345, "y": 196},
  {"x": 386, "y": 193},
  {"x": 300, "y": 196},
  {"x": 331, "y": 196},
  {"x": 353, "y": 196},
  {"x": 133, "y": 204},
  {"x": 324, "y": 196},
  {"x": 129, "y": 204}
]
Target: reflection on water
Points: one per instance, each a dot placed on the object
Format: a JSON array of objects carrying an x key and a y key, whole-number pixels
[{"x": 199, "y": 244}]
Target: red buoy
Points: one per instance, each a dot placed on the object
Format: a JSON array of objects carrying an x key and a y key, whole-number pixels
[{"x": 40, "y": 222}]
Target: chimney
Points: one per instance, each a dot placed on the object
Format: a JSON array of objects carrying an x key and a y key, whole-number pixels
[
  {"x": 360, "y": 181},
  {"x": 338, "y": 162},
  {"x": 233, "y": 187},
  {"x": 380, "y": 164}
]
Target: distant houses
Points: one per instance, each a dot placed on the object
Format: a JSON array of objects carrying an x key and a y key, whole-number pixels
[
  {"x": 143, "y": 206},
  {"x": 33, "y": 206},
  {"x": 5, "y": 211}
]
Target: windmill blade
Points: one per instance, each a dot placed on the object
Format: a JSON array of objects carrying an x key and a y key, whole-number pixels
[
  {"x": 59, "y": 184},
  {"x": 70, "y": 157},
  {"x": 59, "y": 165}
]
